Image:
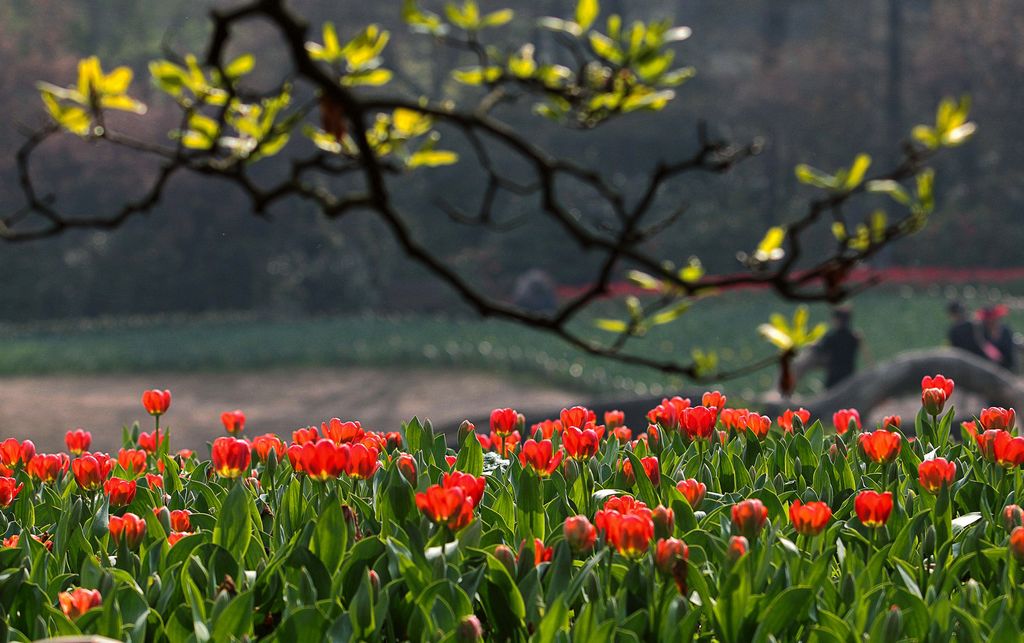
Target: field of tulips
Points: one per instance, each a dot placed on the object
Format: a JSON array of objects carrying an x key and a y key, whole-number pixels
[{"x": 701, "y": 522}]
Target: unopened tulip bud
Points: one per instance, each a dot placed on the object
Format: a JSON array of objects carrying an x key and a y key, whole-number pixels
[
  {"x": 164, "y": 516},
  {"x": 506, "y": 557},
  {"x": 469, "y": 630},
  {"x": 374, "y": 582},
  {"x": 928, "y": 542},
  {"x": 974, "y": 594},
  {"x": 571, "y": 471},
  {"x": 664, "y": 521},
  {"x": 1017, "y": 544},
  {"x": 466, "y": 429},
  {"x": 738, "y": 546},
  {"x": 893, "y": 624},
  {"x": 407, "y": 467},
  {"x": 580, "y": 534},
  {"x": 1013, "y": 517},
  {"x": 933, "y": 400}
]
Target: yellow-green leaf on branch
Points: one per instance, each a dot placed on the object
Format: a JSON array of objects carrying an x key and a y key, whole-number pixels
[
  {"x": 671, "y": 314},
  {"x": 433, "y": 158},
  {"x": 612, "y": 325},
  {"x": 497, "y": 18},
  {"x": 857, "y": 171},
  {"x": 644, "y": 280}
]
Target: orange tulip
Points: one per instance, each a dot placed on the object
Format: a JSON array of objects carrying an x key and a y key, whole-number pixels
[
  {"x": 651, "y": 468},
  {"x": 362, "y": 462},
  {"x": 809, "y": 519},
  {"x": 78, "y": 601},
  {"x": 47, "y": 467},
  {"x": 233, "y": 421},
  {"x": 264, "y": 444},
  {"x": 579, "y": 533},
  {"x": 504, "y": 421},
  {"x": 580, "y": 444},
  {"x": 230, "y": 456},
  {"x": 934, "y": 474},
  {"x": 539, "y": 457},
  {"x": 91, "y": 470},
  {"x": 472, "y": 486},
  {"x": 341, "y": 432},
  {"x": 693, "y": 491},
  {"x": 873, "y": 508},
  {"x": 78, "y": 441},
  {"x": 449, "y": 507},
  {"x": 880, "y": 446},
  {"x": 121, "y": 492},
  {"x": 156, "y": 402},
  {"x": 9, "y": 489},
  {"x": 129, "y": 529},
  {"x": 749, "y": 517},
  {"x": 786, "y": 419},
  {"x": 133, "y": 461},
  {"x": 842, "y": 419}
]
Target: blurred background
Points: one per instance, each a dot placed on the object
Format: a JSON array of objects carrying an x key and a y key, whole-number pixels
[{"x": 296, "y": 319}]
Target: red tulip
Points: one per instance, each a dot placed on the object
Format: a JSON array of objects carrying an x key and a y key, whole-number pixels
[
  {"x": 997, "y": 418},
  {"x": 91, "y": 470},
  {"x": 393, "y": 440},
  {"x": 614, "y": 419},
  {"x": 362, "y": 462},
  {"x": 630, "y": 533},
  {"x": 623, "y": 434},
  {"x": 128, "y": 528},
  {"x": 541, "y": 554},
  {"x": 504, "y": 421},
  {"x": 842, "y": 418},
  {"x": 47, "y": 467},
  {"x": 450, "y": 460},
  {"x": 78, "y": 441},
  {"x": 933, "y": 400},
  {"x": 759, "y": 425},
  {"x": 230, "y": 456},
  {"x": 121, "y": 492},
  {"x": 469, "y": 630},
  {"x": 873, "y": 508},
  {"x": 13, "y": 452},
  {"x": 472, "y": 486},
  {"x": 664, "y": 521},
  {"x": 749, "y": 517},
  {"x": 668, "y": 414},
  {"x": 670, "y": 556},
  {"x": 133, "y": 461},
  {"x": 9, "y": 489},
  {"x": 155, "y": 481},
  {"x": 233, "y": 421},
  {"x": 12, "y": 541},
  {"x": 1013, "y": 517},
  {"x": 699, "y": 422},
  {"x": 734, "y": 419},
  {"x": 580, "y": 444},
  {"x": 970, "y": 429},
  {"x": 738, "y": 546},
  {"x": 342, "y": 432},
  {"x": 809, "y": 519},
  {"x": 156, "y": 402},
  {"x": 320, "y": 460},
  {"x": 407, "y": 467},
  {"x": 880, "y": 446},
  {"x": 713, "y": 399},
  {"x": 264, "y": 444},
  {"x": 934, "y": 474},
  {"x": 786, "y": 419},
  {"x": 446, "y": 506},
  {"x": 650, "y": 465},
  {"x": 181, "y": 520},
  {"x": 78, "y": 601},
  {"x": 148, "y": 441},
  {"x": 302, "y": 436},
  {"x": 580, "y": 534},
  {"x": 891, "y": 422},
  {"x": 175, "y": 536},
  {"x": 693, "y": 491},
  {"x": 547, "y": 428},
  {"x": 1017, "y": 544},
  {"x": 999, "y": 446},
  {"x": 940, "y": 382},
  {"x": 577, "y": 416},
  {"x": 540, "y": 457}
]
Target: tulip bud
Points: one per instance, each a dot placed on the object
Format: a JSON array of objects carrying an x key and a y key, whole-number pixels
[
  {"x": 973, "y": 595},
  {"x": 848, "y": 589},
  {"x": 893, "y": 624},
  {"x": 407, "y": 467},
  {"x": 1013, "y": 517},
  {"x": 933, "y": 399},
  {"x": 571, "y": 471},
  {"x": 738, "y": 546},
  {"x": 466, "y": 428},
  {"x": 374, "y": 583},
  {"x": 1017, "y": 544},
  {"x": 580, "y": 534},
  {"x": 164, "y": 516},
  {"x": 271, "y": 464},
  {"x": 506, "y": 557},
  {"x": 664, "y": 521},
  {"x": 469, "y": 630},
  {"x": 928, "y": 542},
  {"x": 749, "y": 517}
]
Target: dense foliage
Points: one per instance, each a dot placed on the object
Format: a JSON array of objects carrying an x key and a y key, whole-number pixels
[{"x": 715, "y": 522}]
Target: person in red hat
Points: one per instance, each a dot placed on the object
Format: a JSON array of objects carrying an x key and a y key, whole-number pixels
[{"x": 998, "y": 344}]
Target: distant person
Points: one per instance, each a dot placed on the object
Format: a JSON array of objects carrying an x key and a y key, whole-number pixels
[
  {"x": 998, "y": 337},
  {"x": 964, "y": 333},
  {"x": 535, "y": 292},
  {"x": 838, "y": 350}
]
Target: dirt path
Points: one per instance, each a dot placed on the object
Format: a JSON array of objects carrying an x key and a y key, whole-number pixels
[{"x": 44, "y": 408}]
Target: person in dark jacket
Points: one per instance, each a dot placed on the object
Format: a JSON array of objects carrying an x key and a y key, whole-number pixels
[
  {"x": 999, "y": 344},
  {"x": 964, "y": 333},
  {"x": 839, "y": 348}
]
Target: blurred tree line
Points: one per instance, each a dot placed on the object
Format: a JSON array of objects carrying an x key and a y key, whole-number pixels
[{"x": 811, "y": 77}]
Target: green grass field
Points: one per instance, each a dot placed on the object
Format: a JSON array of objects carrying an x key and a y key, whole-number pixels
[{"x": 891, "y": 319}]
